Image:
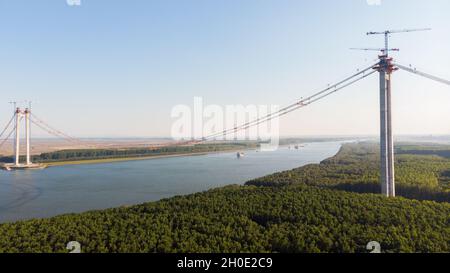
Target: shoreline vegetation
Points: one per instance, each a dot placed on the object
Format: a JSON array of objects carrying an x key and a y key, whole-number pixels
[
  {"x": 104, "y": 155},
  {"x": 333, "y": 206},
  {"x": 98, "y": 156},
  {"x": 125, "y": 159}
]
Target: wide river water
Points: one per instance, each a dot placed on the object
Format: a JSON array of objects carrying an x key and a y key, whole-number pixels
[{"x": 77, "y": 188}]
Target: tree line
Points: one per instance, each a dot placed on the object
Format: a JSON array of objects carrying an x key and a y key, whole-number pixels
[
  {"x": 89, "y": 154},
  {"x": 356, "y": 167}
]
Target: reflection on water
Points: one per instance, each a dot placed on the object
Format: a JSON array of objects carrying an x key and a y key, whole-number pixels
[{"x": 65, "y": 189}]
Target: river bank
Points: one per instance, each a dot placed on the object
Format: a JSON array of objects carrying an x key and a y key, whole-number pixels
[
  {"x": 125, "y": 159},
  {"x": 83, "y": 187},
  {"x": 101, "y": 156}
]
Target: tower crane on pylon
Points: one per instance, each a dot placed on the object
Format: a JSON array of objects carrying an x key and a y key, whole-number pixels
[
  {"x": 383, "y": 50},
  {"x": 385, "y": 67},
  {"x": 387, "y": 32}
]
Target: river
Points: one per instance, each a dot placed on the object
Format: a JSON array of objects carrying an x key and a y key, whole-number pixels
[{"x": 78, "y": 188}]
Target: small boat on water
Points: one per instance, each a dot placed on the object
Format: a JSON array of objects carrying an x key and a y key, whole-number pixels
[{"x": 240, "y": 154}]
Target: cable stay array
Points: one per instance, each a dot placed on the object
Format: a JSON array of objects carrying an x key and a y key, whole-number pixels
[{"x": 423, "y": 74}]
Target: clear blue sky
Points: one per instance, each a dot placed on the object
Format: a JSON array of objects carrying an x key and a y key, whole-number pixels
[{"x": 117, "y": 67}]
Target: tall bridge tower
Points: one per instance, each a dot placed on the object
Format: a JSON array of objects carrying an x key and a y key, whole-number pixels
[
  {"x": 386, "y": 68},
  {"x": 387, "y": 175},
  {"x": 21, "y": 114}
]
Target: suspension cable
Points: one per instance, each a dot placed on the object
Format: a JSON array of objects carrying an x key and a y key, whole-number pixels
[
  {"x": 306, "y": 103},
  {"x": 9, "y": 135},
  {"x": 331, "y": 89},
  {"x": 41, "y": 124},
  {"x": 309, "y": 99},
  {"x": 300, "y": 104},
  {"x": 53, "y": 132},
  {"x": 6, "y": 127},
  {"x": 426, "y": 75},
  {"x": 329, "y": 93}
]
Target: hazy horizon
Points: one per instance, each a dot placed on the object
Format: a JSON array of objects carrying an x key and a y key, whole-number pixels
[{"x": 281, "y": 137}]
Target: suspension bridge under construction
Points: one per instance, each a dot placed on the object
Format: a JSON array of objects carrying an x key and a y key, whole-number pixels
[{"x": 385, "y": 67}]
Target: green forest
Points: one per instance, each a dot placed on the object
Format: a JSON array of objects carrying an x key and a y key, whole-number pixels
[
  {"x": 325, "y": 207},
  {"x": 421, "y": 172}
]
